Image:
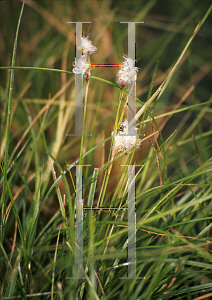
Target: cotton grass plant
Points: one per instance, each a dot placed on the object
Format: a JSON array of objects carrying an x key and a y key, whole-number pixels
[{"x": 173, "y": 185}]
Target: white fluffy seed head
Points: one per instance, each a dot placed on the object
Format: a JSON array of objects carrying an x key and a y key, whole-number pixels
[
  {"x": 128, "y": 73},
  {"x": 124, "y": 140},
  {"x": 86, "y": 46},
  {"x": 81, "y": 66}
]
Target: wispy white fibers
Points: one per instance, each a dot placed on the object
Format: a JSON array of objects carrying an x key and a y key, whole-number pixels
[
  {"x": 128, "y": 73},
  {"x": 86, "y": 46},
  {"x": 125, "y": 138},
  {"x": 81, "y": 66}
]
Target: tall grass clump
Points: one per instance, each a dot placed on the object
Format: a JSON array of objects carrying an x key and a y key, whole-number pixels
[{"x": 167, "y": 144}]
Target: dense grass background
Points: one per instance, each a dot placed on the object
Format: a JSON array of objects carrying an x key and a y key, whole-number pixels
[{"x": 173, "y": 187}]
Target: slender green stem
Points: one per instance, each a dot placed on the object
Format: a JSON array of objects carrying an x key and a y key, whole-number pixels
[
  {"x": 83, "y": 124},
  {"x": 36, "y": 69},
  {"x": 9, "y": 109},
  {"x": 53, "y": 271},
  {"x": 110, "y": 158}
]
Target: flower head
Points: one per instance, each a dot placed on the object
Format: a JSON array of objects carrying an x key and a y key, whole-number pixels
[
  {"x": 87, "y": 46},
  {"x": 81, "y": 66},
  {"x": 127, "y": 73},
  {"x": 125, "y": 138}
]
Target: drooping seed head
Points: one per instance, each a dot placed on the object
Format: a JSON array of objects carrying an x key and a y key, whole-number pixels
[{"x": 86, "y": 46}]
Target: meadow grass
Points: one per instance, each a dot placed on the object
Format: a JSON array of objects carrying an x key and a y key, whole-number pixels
[{"x": 173, "y": 177}]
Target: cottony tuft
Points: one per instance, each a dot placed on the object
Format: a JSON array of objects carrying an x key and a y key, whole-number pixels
[
  {"x": 86, "y": 46},
  {"x": 124, "y": 140},
  {"x": 81, "y": 66},
  {"x": 128, "y": 73}
]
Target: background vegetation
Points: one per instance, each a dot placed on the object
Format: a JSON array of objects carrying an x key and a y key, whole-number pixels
[{"x": 173, "y": 187}]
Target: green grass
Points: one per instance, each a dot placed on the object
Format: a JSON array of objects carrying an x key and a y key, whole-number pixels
[{"x": 173, "y": 180}]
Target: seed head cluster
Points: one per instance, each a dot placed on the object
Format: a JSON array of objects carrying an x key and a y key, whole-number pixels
[
  {"x": 81, "y": 66},
  {"x": 126, "y": 138}
]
